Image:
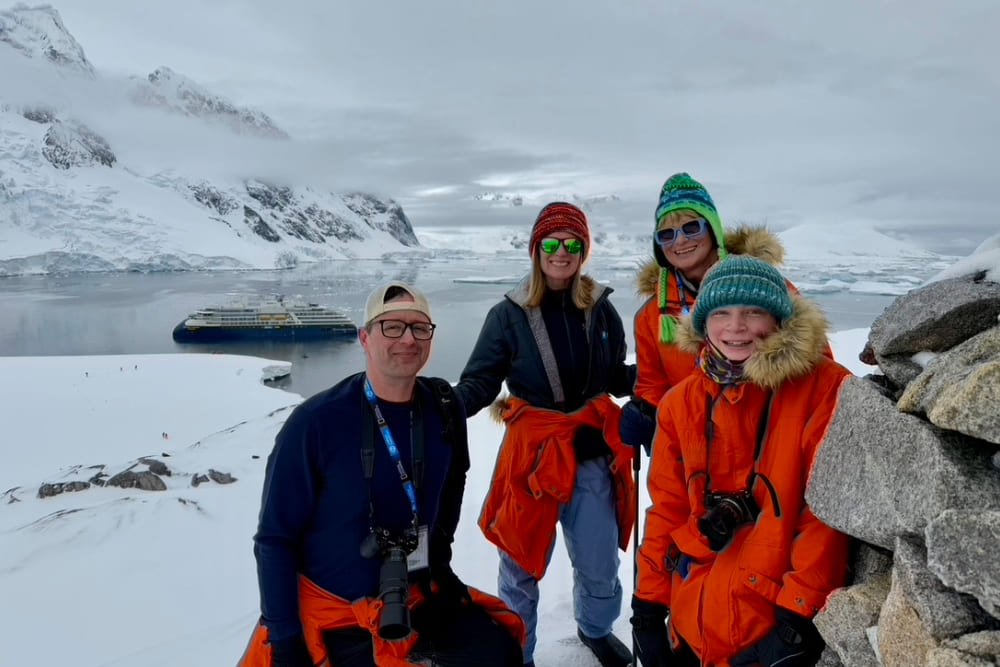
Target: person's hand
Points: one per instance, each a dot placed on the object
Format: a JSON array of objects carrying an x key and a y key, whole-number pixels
[
  {"x": 442, "y": 604},
  {"x": 290, "y": 652},
  {"x": 649, "y": 630},
  {"x": 793, "y": 642},
  {"x": 451, "y": 592},
  {"x": 638, "y": 424}
]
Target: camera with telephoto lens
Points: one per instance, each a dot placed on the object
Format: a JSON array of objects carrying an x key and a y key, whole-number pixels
[
  {"x": 393, "y": 578},
  {"x": 725, "y": 512}
]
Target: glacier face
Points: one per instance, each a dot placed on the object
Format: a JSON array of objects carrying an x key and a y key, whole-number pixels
[{"x": 71, "y": 200}]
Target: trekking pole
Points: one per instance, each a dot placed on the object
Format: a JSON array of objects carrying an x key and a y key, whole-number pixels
[{"x": 636, "y": 466}]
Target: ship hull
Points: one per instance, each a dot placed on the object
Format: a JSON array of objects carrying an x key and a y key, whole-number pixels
[{"x": 296, "y": 333}]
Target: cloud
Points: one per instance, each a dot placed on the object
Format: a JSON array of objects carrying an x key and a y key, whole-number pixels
[{"x": 881, "y": 111}]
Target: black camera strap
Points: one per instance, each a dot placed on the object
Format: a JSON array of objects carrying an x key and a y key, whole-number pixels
[
  {"x": 410, "y": 486},
  {"x": 762, "y": 424}
]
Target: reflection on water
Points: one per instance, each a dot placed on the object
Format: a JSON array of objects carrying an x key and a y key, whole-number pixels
[{"x": 135, "y": 313}]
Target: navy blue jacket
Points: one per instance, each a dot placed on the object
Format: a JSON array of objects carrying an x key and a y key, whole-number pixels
[
  {"x": 514, "y": 345},
  {"x": 315, "y": 507}
]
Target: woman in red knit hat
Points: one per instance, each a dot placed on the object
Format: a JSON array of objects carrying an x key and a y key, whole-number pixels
[{"x": 558, "y": 343}]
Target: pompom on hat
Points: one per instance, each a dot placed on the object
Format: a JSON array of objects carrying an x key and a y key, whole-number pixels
[
  {"x": 742, "y": 280},
  {"x": 560, "y": 217},
  {"x": 680, "y": 191}
]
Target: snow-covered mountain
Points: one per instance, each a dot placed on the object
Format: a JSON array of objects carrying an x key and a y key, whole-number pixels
[
  {"x": 72, "y": 200},
  {"x": 495, "y": 198}
]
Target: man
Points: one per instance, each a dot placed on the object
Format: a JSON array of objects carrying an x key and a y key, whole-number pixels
[{"x": 360, "y": 503}]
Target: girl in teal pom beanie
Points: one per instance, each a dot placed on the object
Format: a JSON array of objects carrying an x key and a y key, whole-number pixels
[
  {"x": 734, "y": 565},
  {"x": 688, "y": 238}
]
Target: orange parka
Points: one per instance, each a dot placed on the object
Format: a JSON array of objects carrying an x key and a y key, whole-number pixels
[
  {"x": 321, "y": 610},
  {"x": 535, "y": 473},
  {"x": 706, "y": 437},
  {"x": 660, "y": 364}
]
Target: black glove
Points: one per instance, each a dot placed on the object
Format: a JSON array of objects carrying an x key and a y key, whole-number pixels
[
  {"x": 649, "y": 631},
  {"x": 290, "y": 652},
  {"x": 793, "y": 642},
  {"x": 638, "y": 424},
  {"x": 441, "y": 607},
  {"x": 451, "y": 591}
]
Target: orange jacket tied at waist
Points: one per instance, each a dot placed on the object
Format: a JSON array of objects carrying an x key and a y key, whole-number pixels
[
  {"x": 321, "y": 610},
  {"x": 536, "y": 471}
]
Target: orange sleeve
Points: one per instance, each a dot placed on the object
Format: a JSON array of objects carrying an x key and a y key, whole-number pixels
[
  {"x": 669, "y": 509},
  {"x": 651, "y": 378}
]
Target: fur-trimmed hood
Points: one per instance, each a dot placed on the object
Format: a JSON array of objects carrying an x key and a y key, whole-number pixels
[
  {"x": 756, "y": 241},
  {"x": 791, "y": 351}
]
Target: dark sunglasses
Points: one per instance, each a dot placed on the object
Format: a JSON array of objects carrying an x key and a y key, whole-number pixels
[
  {"x": 693, "y": 229},
  {"x": 396, "y": 329},
  {"x": 550, "y": 246}
]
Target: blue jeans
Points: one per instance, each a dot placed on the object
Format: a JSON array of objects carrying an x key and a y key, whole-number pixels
[{"x": 590, "y": 531}]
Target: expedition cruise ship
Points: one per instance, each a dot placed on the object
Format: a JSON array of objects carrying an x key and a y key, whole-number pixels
[{"x": 271, "y": 319}]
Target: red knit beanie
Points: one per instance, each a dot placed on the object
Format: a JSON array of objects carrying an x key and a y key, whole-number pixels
[{"x": 560, "y": 217}]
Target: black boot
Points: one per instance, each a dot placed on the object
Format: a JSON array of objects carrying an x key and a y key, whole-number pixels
[{"x": 609, "y": 649}]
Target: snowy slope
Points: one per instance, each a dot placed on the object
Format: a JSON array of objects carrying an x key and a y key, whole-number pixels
[{"x": 80, "y": 190}]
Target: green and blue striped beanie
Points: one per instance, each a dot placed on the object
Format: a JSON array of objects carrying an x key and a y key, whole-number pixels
[
  {"x": 680, "y": 191},
  {"x": 741, "y": 280}
]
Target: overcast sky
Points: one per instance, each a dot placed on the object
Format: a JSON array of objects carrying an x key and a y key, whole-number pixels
[{"x": 876, "y": 112}]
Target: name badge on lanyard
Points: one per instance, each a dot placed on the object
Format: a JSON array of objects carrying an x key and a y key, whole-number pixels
[{"x": 419, "y": 558}]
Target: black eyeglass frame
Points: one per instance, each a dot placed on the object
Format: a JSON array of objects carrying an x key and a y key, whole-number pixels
[{"x": 407, "y": 325}]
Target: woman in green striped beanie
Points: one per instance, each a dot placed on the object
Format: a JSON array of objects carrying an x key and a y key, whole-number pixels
[{"x": 688, "y": 239}]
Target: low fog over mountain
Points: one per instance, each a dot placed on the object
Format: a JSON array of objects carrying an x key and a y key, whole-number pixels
[{"x": 73, "y": 198}]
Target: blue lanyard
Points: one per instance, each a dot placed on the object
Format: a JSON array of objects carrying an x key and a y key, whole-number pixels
[
  {"x": 390, "y": 445},
  {"x": 680, "y": 292}
]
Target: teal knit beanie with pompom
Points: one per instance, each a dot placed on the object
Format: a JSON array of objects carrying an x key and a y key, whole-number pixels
[{"x": 742, "y": 280}]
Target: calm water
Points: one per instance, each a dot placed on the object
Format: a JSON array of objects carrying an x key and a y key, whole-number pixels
[{"x": 135, "y": 313}]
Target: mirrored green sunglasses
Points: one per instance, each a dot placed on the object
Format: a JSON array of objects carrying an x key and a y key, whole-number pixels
[{"x": 551, "y": 246}]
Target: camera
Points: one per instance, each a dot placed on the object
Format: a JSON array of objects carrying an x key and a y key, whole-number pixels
[
  {"x": 725, "y": 512},
  {"x": 393, "y": 578}
]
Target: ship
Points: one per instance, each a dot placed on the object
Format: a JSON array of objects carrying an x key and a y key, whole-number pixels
[{"x": 271, "y": 319}]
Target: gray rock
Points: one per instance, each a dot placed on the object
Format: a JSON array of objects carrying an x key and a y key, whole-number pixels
[
  {"x": 902, "y": 639},
  {"x": 829, "y": 658},
  {"x": 73, "y": 144},
  {"x": 936, "y": 317},
  {"x": 868, "y": 562},
  {"x": 847, "y": 615},
  {"x": 900, "y": 368},
  {"x": 880, "y": 473},
  {"x": 50, "y": 490},
  {"x": 157, "y": 467},
  {"x": 220, "y": 477},
  {"x": 962, "y": 551},
  {"x": 983, "y": 644},
  {"x": 944, "y": 611},
  {"x": 145, "y": 480},
  {"x": 949, "y": 657},
  {"x": 960, "y": 389}
]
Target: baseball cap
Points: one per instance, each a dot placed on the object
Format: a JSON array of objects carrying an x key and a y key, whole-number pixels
[{"x": 377, "y": 305}]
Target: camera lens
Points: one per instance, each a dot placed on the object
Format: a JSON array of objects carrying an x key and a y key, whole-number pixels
[
  {"x": 726, "y": 513},
  {"x": 393, "y": 590}
]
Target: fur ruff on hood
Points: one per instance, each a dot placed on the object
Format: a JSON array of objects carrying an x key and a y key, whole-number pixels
[
  {"x": 791, "y": 351},
  {"x": 757, "y": 242}
]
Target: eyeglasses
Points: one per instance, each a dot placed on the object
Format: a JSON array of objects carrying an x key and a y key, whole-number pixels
[
  {"x": 396, "y": 329},
  {"x": 551, "y": 246},
  {"x": 692, "y": 229}
]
